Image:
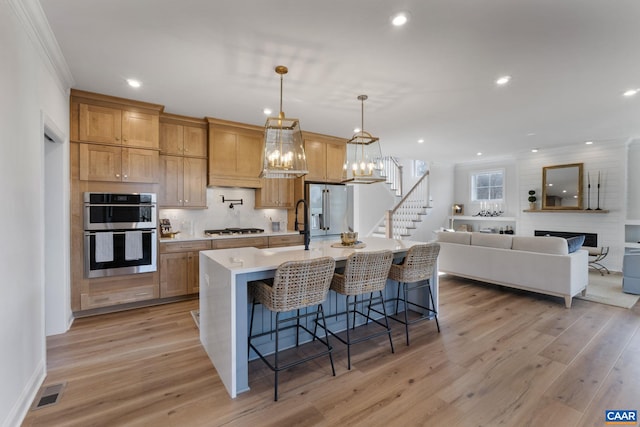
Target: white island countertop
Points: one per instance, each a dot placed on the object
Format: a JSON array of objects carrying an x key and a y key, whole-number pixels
[{"x": 224, "y": 274}]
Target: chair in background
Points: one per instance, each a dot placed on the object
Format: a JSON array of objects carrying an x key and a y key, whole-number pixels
[
  {"x": 296, "y": 285},
  {"x": 595, "y": 256},
  {"x": 364, "y": 273},
  {"x": 631, "y": 273},
  {"x": 412, "y": 275}
]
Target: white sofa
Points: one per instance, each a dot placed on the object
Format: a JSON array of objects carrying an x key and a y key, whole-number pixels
[{"x": 538, "y": 264}]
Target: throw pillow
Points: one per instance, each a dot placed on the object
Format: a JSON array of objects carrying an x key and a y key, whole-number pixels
[{"x": 575, "y": 243}]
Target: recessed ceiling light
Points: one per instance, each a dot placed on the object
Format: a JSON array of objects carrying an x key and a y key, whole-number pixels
[
  {"x": 589, "y": 142},
  {"x": 356, "y": 130},
  {"x": 503, "y": 80},
  {"x": 400, "y": 19},
  {"x": 134, "y": 83},
  {"x": 534, "y": 150},
  {"x": 531, "y": 134},
  {"x": 267, "y": 111},
  {"x": 478, "y": 154},
  {"x": 420, "y": 141},
  {"x": 630, "y": 92}
]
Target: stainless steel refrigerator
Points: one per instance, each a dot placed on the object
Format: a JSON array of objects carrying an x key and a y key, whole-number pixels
[{"x": 328, "y": 209}]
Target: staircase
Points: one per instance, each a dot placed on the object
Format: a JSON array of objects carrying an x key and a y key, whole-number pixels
[
  {"x": 404, "y": 217},
  {"x": 392, "y": 171}
]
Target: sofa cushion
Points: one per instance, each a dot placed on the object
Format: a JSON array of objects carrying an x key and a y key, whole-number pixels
[
  {"x": 460, "y": 237},
  {"x": 574, "y": 243},
  {"x": 543, "y": 244},
  {"x": 501, "y": 241}
]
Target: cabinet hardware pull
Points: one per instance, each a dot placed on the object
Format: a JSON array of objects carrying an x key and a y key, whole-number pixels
[{"x": 117, "y": 175}]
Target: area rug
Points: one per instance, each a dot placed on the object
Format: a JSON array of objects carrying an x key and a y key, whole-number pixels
[
  {"x": 196, "y": 317},
  {"x": 607, "y": 289}
]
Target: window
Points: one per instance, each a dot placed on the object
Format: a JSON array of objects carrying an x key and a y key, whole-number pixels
[{"x": 487, "y": 186}]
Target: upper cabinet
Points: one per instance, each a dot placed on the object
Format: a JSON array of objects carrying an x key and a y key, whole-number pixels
[
  {"x": 117, "y": 126},
  {"x": 183, "y": 136},
  {"x": 183, "y": 163},
  {"x": 325, "y": 157},
  {"x": 235, "y": 154},
  {"x": 275, "y": 193}
]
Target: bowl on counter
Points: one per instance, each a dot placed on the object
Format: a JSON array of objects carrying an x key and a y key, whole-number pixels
[
  {"x": 169, "y": 235},
  {"x": 349, "y": 238}
]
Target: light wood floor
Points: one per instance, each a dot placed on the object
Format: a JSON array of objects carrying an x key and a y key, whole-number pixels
[{"x": 504, "y": 357}]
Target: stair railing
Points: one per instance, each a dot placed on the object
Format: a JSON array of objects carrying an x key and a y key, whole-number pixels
[
  {"x": 417, "y": 198},
  {"x": 392, "y": 170}
]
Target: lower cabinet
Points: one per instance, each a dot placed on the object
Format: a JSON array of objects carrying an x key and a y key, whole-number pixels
[{"x": 179, "y": 267}]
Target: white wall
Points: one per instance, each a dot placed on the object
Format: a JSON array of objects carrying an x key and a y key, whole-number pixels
[
  {"x": 633, "y": 181},
  {"x": 29, "y": 87},
  {"x": 607, "y": 158}
]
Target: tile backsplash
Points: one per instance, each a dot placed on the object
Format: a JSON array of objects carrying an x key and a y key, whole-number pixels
[{"x": 220, "y": 215}]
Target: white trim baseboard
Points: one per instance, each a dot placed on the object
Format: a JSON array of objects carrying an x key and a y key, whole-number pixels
[{"x": 23, "y": 402}]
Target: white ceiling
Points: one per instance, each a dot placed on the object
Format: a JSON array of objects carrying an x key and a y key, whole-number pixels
[{"x": 570, "y": 62}]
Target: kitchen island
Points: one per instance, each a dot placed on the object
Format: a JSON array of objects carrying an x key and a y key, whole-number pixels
[{"x": 225, "y": 308}]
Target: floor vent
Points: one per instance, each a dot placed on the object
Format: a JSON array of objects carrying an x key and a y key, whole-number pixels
[{"x": 49, "y": 395}]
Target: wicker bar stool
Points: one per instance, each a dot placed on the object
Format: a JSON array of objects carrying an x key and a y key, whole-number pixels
[
  {"x": 413, "y": 274},
  {"x": 364, "y": 273},
  {"x": 296, "y": 285}
]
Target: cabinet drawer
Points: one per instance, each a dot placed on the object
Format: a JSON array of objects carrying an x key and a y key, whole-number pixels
[
  {"x": 242, "y": 242},
  {"x": 201, "y": 245},
  {"x": 121, "y": 296},
  {"x": 291, "y": 240}
]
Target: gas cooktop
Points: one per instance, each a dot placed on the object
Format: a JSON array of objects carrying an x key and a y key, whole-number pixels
[{"x": 232, "y": 231}]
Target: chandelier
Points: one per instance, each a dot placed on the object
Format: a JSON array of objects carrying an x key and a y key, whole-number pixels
[
  {"x": 364, "y": 157},
  {"x": 283, "y": 147}
]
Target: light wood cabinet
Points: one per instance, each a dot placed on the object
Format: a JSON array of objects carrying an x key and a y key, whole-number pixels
[
  {"x": 235, "y": 154},
  {"x": 116, "y": 126},
  {"x": 241, "y": 242},
  {"x": 180, "y": 267},
  {"x": 117, "y": 164},
  {"x": 183, "y": 182},
  {"x": 325, "y": 158},
  {"x": 182, "y": 140},
  {"x": 275, "y": 193},
  {"x": 287, "y": 240}
]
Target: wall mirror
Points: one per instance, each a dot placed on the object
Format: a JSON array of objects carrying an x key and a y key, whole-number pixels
[{"x": 562, "y": 186}]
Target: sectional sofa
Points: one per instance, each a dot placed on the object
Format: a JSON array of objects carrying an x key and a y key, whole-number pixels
[{"x": 537, "y": 264}]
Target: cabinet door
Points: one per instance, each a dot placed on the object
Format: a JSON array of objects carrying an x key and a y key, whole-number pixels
[
  {"x": 100, "y": 163},
  {"x": 335, "y": 161},
  {"x": 171, "y": 181},
  {"x": 285, "y": 188},
  {"x": 193, "y": 272},
  {"x": 171, "y": 139},
  {"x": 195, "y": 141},
  {"x": 316, "y": 152},
  {"x": 140, "y": 129},
  {"x": 195, "y": 182},
  {"x": 100, "y": 124},
  {"x": 173, "y": 274},
  {"x": 269, "y": 195},
  {"x": 139, "y": 165}
]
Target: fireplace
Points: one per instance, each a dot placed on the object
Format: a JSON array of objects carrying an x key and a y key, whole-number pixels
[{"x": 590, "y": 239}]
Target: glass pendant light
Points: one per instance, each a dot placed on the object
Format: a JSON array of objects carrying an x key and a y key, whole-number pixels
[
  {"x": 283, "y": 146},
  {"x": 364, "y": 157}
]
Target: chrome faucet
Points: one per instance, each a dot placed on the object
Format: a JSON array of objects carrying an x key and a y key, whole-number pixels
[{"x": 307, "y": 229}]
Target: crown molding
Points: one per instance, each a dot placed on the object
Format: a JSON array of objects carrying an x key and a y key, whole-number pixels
[{"x": 35, "y": 23}]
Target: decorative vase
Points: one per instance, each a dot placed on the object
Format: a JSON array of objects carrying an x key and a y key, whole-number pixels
[{"x": 532, "y": 206}]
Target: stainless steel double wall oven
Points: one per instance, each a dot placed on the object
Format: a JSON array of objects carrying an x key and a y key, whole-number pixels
[{"x": 119, "y": 234}]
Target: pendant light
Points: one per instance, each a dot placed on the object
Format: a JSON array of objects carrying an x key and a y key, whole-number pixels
[
  {"x": 283, "y": 147},
  {"x": 364, "y": 157}
]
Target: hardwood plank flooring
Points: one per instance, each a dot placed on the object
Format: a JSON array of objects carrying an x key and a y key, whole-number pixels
[{"x": 504, "y": 357}]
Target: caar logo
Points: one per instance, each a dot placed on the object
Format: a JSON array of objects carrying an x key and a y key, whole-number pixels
[{"x": 620, "y": 417}]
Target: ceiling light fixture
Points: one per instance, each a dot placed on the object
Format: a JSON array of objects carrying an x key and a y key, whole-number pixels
[
  {"x": 478, "y": 154},
  {"x": 420, "y": 141},
  {"x": 399, "y": 19},
  {"x": 283, "y": 150},
  {"x": 534, "y": 150},
  {"x": 630, "y": 92},
  {"x": 267, "y": 111},
  {"x": 503, "y": 80},
  {"x": 589, "y": 142},
  {"x": 364, "y": 157},
  {"x": 134, "y": 83}
]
